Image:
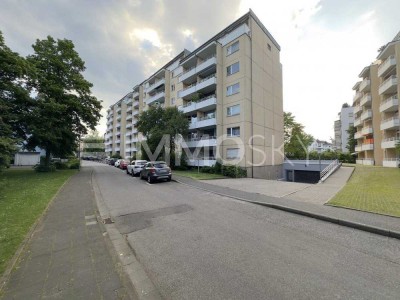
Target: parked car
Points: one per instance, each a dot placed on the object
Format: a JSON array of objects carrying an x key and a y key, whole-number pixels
[
  {"x": 112, "y": 161},
  {"x": 156, "y": 170},
  {"x": 117, "y": 163},
  {"x": 123, "y": 164},
  {"x": 135, "y": 167}
]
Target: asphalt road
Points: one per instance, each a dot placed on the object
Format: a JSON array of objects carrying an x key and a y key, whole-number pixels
[{"x": 197, "y": 245}]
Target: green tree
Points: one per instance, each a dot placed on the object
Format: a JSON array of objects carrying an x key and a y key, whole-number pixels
[
  {"x": 93, "y": 142},
  {"x": 156, "y": 122},
  {"x": 351, "y": 142},
  {"x": 296, "y": 140},
  {"x": 14, "y": 101},
  {"x": 64, "y": 106}
]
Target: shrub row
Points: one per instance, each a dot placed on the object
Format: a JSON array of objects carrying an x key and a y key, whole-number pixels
[{"x": 226, "y": 170}]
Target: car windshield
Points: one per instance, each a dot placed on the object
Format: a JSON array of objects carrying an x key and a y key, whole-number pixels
[
  {"x": 141, "y": 163},
  {"x": 160, "y": 165}
]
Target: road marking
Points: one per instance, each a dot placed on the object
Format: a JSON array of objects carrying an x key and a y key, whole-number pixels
[
  {"x": 148, "y": 183},
  {"x": 90, "y": 217}
]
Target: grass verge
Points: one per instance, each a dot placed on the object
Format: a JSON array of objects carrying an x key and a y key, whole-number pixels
[
  {"x": 24, "y": 194},
  {"x": 198, "y": 176},
  {"x": 372, "y": 189}
]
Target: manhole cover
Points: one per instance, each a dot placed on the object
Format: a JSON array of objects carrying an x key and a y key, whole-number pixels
[{"x": 108, "y": 221}]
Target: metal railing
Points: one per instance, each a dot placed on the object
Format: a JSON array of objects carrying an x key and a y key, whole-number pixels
[
  {"x": 332, "y": 167},
  {"x": 199, "y": 101}
]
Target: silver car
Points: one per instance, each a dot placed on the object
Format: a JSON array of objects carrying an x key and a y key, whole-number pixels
[{"x": 156, "y": 170}]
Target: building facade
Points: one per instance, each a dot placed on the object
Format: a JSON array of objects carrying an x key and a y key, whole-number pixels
[
  {"x": 376, "y": 109},
  {"x": 341, "y": 126},
  {"x": 320, "y": 146},
  {"x": 231, "y": 87}
]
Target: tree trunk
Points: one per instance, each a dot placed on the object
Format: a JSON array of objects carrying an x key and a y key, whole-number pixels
[{"x": 47, "y": 159}]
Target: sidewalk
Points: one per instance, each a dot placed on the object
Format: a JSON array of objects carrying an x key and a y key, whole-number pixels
[
  {"x": 384, "y": 225},
  {"x": 67, "y": 257}
]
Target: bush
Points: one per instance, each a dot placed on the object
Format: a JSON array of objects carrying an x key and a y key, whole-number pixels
[
  {"x": 233, "y": 171},
  {"x": 218, "y": 168},
  {"x": 61, "y": 166},
  {"x": 207, "y": 170},
  {"x": 116, "y": 155},
  {"x": 43, "y": 168},
  {"x": 74, "y": 165}
]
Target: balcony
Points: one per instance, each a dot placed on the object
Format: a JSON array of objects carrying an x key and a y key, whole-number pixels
[
  {"x": 117, "y": 149},
  {"x": 390, "y": 142},
  {"x": 357, "y": 109},
  {"x": 129, "y": 125},
  {"x": 203, "y": 86},
  {"x": 366, "y": 115},
  {"x": 391, "y": 123},
  {"x": 118, "y": 109},
  {"x": 368, "y": 162},
  {"x": 201, "y": 162},
  {"x": 155, "y": 85},
  {"x": 118, "y": 125},
  {"x": 134, "y": 140},
  {"x": 365, "y": 85},
  {"x": 135, "y": 113},
  {"x": 357, "y": 122},
  {"x": 129, "y": 109},
  {"x": 391, "y": 162},
  {"x": 204, "y": 104},
  {"x": 127, "y": 141},
  {"x": 128, "y": 133},
  {"x": 390, "y": 104},
  {"x": 135, "y": 104},
  {"x": 207, "y": 141},
  {"x": 191, "y": 74},
  {"x": 389, "y": 86},
  {"x": 358, "y": 135},
  {"x": 387, "y": 66},
  {"x": 208, "y": 121},
  {"x": 367, "y": 146},
  {"x": 358, "y": 148},
  {"x": 134, "y": 131},
  {"x": 118, "y": 141},
  {"x": 366, "y": 100},
  {"x": 366, "y": 130},
  {"x": 129, "y": 117},
  {"x": 159, "y": 97},
  {"x": 357, "y": 96}
]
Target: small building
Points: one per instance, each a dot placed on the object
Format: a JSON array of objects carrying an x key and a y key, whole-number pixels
[
  {"x": 320, "y": 146},
  {"x": 28, "y": 158}
]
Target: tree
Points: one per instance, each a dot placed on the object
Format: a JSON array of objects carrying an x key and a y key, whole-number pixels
[
  {"x": 93, "y": 142},
  {"x": 157, "y": 122},
  {"x": 14, "y": 101},
  {"x": 351, "y": 142},
  {"x": 345, "y": 105},
  {"x": 64, "y": 106},
  {"x": 296, "y": 140}
]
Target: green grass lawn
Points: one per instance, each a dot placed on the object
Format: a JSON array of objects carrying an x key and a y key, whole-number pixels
[
  {"x": 372, "y": 189},
  {"x": 198, "y": 176},
  {"x": 24, "y": 194}
]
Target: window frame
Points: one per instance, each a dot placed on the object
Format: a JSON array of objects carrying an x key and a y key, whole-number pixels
[
  {"x": 232, "y": 92},
  {"x": 229, "y": 109},
  {"x": 229, "y": 50},
  {"x": 232, "y": 157},
  {"x": 230, "y": 70},
  {"x": 229, "y": 131}
]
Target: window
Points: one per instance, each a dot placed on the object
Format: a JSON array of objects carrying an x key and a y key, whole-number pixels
[
  {"x": 233, "y": 131},
  {"x": 232, "y": 69},
  {"x": 233, "y": 110},
  {"x": 233, "y": 89},
  {"x": 173, "y": 87},
  {"x": 269, "y": 47},
  {"x": 232, "y": 153},
  {"x": 172, "y": 101},
  {"x": 232, "y": 48}
]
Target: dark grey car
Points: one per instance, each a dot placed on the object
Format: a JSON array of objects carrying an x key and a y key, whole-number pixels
[{"x": 156, "y": 170}]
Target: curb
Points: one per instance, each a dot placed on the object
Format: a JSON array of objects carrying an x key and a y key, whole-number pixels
[
  {"x": 135, "y": 276},
  {"x": 6, "y": 275},
  {"x": 325, "y": 218}
]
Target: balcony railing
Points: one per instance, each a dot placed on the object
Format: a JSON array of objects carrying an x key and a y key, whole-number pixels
[
  {"x": 196, "y": 87},
  {"x": 390, "y": 142},
  {"x": 357, "y": 122},
  {"x": 390, "y": 104},
  {"x": 366, "y": 99},
  {"x": 365, "y": 85},
  {"x": 204, "y": 103},
  {"x": 204, "y": 141},
  {"x": 211, "y": 60},
  {"x": 389, "y": 85},
  {"x": 157, "y": 97},
  {"x": 357, "y": 109},
  {"x": 358, "y": 135},
  {"x": 156, "y": 84},
  {"x": 203, "y": 122},
  {"x": 390, "y": 123},
  {"x": 367, "y": 130},
  {"x": 366, "y": 115},
  {"x": 387, "y": 66}
]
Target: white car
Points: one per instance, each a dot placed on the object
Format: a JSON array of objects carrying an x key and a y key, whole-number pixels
[
  {"x": 117, "y": 163},
  {"x": 135, "y": 167}
]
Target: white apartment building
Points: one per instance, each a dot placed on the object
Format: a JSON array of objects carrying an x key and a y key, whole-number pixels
[
  {"x": 376, "y": 108},
  {"x": 320, "y": 146},
  {"x": 346, "y": 119},
  {"x": 231, "y": 85}
]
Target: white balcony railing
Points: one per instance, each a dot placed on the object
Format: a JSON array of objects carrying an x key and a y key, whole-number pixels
[
  {"x": 386, "y": 66},
  {"x": 365, "y": 85},
  {"x": 203, "y": 122},
  {"x": 390, "y": 123},
  {"x": 357, "y": 122},
  {"x": 206, "y": 141},
  {"x": 358, "y": 148},
  {"x": 194, "y": 70},
  {"x": 368, "y": 162},
  {"x": 136, "y": 104},
  {"x": 202, "y": 162},
  {"x": 159, "y": 97},
  {"x": 390, "y": 142},
  {"x": 357, "y": 96},
  {"x": 155, "y": 85},
  {"x": 357, "y": 109},
  {"x": 390, "y": 104},
  {"x": 366, "y": 115},
  {"x": 388, "y": 86},
  {"x": 366, "y": 147},
  {"x": 367, "y": 130},
  {"x": 391, "y": 162},
  {"x": 197, "y": 87},
  {"x": 366, "y": 99},
  {"x": 204, "y": 103},
  {"x": 358, "y": 135}
]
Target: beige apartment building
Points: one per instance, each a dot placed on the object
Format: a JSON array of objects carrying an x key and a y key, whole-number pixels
[
  {"x": 376, "y": 109},
  {"x": 230, "y": 89}
]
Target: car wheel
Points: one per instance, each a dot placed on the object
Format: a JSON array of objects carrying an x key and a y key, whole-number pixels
[
  {"x": 149, "y": 179},
  {"x": 127, "y": 173},
  {"x": 140, "y": 175},
  {"x": 169, "y": 179}
]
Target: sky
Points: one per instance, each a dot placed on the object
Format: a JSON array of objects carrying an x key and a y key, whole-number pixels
[{"x": 324, "y": 43}]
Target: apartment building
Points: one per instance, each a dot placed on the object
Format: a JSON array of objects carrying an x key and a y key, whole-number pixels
[
  {"x": 376, "y": 108},
  {"x": 231, "y": 87},
  {"x": 341, "y": 126},
  {"x": 320, "y": 146}
]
